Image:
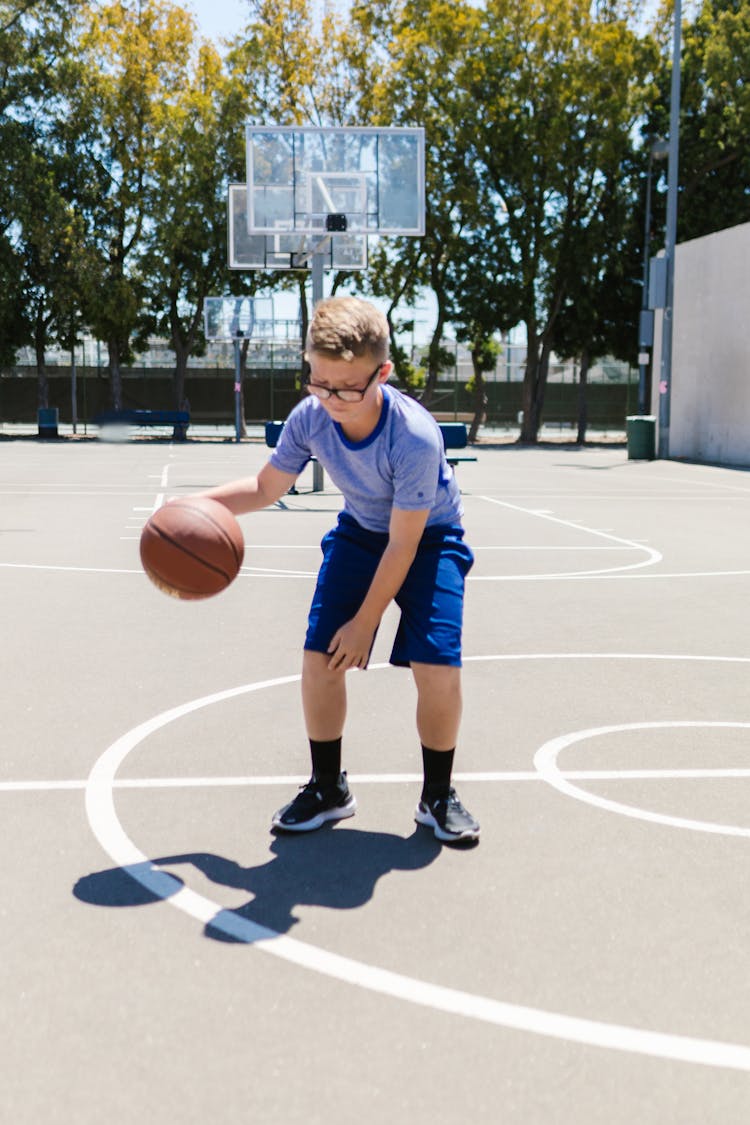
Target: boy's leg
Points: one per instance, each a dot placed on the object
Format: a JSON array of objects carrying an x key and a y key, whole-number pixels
[
  {"x": 326, "y": 795},
  {"x": 439, "y": 705},
  {"x": 350, "y": 558},
  {"x": 323, "y": 697}
]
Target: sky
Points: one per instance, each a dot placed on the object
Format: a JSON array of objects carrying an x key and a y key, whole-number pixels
[{"x": 219, "y": 19}]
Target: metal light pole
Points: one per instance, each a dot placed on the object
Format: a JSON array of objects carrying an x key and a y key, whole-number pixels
[
  {"x": 657, "y": 151},
  {"x": 317, "y": 275},
  {"x": 238, "y": 386},
  {"x": 665, "y": 381}
]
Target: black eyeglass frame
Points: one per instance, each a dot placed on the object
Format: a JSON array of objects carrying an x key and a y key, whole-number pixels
[{"x": 346, "y": 393}]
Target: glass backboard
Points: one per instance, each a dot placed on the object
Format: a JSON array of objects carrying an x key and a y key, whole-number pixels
[
  {"x": 286, "y": 250},
  {"x": 240, "y": 318},
  {"x": 335, "y": 181}
]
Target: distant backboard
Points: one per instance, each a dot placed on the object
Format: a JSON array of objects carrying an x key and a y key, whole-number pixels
[
  {"x": 240, "y": 318},
  {"x": 284, "y": 250},
  {"x": 335, "y": 181}
]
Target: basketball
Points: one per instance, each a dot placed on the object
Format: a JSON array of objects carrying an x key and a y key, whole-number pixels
[{"x": 192, "y": 548}]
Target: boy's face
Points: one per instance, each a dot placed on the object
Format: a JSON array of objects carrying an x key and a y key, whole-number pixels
[{"x": 358, "y": 380}]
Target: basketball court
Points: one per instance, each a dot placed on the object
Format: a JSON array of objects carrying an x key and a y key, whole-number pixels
[{"x": 167, "y": 959}]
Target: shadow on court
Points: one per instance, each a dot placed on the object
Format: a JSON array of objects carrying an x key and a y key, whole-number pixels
[{"x": 335, "y": 869}]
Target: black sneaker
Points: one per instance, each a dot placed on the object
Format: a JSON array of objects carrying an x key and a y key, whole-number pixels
[
  {"x": 314, "y": 805},
  {"x": 447, "y": 817}
]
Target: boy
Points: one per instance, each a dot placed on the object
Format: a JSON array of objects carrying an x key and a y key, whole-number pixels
[{"x": 399, "y": 537}]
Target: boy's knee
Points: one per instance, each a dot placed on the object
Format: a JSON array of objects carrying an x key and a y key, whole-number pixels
[
  {"x": 437, "y": 677},
  {"x": 315, "y": 667}
]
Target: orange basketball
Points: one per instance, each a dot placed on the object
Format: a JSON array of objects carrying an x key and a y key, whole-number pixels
[{"x": 192, "y": 548}]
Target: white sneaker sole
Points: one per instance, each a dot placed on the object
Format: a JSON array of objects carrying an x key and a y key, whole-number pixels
[
  {"x": 338, "y": 813},
  {"x": 425, "y": 817}
]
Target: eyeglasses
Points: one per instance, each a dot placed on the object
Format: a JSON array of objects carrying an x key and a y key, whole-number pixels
[{"x": 346, "y": 395}]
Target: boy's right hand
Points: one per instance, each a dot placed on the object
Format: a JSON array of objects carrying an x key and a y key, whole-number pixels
[{"x": 350, "y": 646}]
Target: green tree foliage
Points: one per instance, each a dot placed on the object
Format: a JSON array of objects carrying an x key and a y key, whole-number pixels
[
  {"x": 418, "y": 86},
  {"x": 184, "y": 246},
  {"x": 563, "y": 89},
  {"x": 131, "y": 57},
  {"x": 119, "y": 132},
  {"x": 715, "y": 120},
  {"x": 33, "y": 44}
]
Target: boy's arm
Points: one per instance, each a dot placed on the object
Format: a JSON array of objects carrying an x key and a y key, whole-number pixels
[
  {"x": 253, "y": 493},
  {"x": 350, "y": 646}
]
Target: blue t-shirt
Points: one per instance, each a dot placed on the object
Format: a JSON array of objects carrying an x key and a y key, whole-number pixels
[{"x": 401, "y": 464}]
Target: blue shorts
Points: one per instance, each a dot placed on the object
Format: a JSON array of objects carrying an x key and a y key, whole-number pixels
[{"x": 431, "y": 598}]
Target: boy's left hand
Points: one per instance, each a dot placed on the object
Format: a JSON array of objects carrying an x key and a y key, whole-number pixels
[{"x": 350, "y": 647}]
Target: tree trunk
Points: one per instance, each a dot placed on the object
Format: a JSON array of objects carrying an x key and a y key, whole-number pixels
[
  {"x": 535, "y": 376},
  {"x": 115, "y": 374},
  {"x": 541, "y": 387},
  {"x": 398, "y": 356},
  {"x": 40, "y": 338},
  {"x": 582, "y": 403},
  {"x": 433, "y": 360},
  {"x": 480, "y": 397},
  {"x": 528, "y": 434},
  {"x": 180, "y": 372}
]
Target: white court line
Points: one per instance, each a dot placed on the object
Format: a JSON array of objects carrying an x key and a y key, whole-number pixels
[
  {"x": 521, "y": 547},
  {"x": 262, "y": 571},
  {"x": 495, "y": 776},
  {"x": 602, "y": 576},
  {"x": 546, "y": 757},
  {"x": 102, "y": 815},
  {"x": 686, "y": 574},
  {"x": 653, "y": 556},
  {"x": 76, "y": 569},
  {"x": 245, "y": 572}
]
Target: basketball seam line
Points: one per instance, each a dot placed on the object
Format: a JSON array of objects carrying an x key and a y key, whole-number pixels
[
  {"x": 181, "y": 547},
  {"x": 222, "y": 531}
]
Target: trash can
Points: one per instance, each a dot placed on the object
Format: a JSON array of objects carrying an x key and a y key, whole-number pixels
[
  {"x": 47, "y": 418},
  {"x": 641, "y": 431}
]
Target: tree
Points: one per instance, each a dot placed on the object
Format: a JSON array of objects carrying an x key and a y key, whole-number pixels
[
  {"x": 35, "y": 227},
  {"x": 54, "y": 257},
  {"x": 131, "y": 55},
  {"x": 418, "y": 87},
  {"x": 562, "y": 91},
  {"x": 715, "y": 120},
  {"x": 184, "y": 246}
]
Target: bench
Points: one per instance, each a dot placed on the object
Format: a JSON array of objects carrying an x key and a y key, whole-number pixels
[
  {"x": 178, "y": 419},
  {"x": 455, "y": 436}
]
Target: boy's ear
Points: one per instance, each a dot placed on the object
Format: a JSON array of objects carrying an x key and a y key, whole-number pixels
[{"x": 385, "y": 371}]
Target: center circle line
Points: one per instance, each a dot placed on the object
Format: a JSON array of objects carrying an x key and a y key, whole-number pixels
[{"x": 105, "y": 824}]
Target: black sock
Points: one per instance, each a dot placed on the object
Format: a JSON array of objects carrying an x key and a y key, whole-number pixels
[
  {"x": 326, "y": 759},
  {"x": 437, "y": 771}
]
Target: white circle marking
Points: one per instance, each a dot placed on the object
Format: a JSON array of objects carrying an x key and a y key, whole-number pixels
[
  {"x": 545, "y": 761},
  {"x": 100, "y": 809}
]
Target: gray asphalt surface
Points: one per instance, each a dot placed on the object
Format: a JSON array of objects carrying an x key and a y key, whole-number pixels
[{"x": 166, "y": 959}]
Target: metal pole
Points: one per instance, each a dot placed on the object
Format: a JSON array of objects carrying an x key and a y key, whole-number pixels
[
  {"x": 317, "y": 277},
  {"x": 643, "y": 367},
  {"x": 237, "y": 390},
  {"x": 665, "y": 382},
  {"x": 73, "y": 390}
]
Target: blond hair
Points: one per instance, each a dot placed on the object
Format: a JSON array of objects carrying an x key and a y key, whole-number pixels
[{"x": 347, "y": 328}]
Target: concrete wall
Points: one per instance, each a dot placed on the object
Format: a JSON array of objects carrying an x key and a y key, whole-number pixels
[{"x": 710, "y": 401}]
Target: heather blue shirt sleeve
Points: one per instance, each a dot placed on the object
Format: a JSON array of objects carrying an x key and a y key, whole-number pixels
[
  {"x": 416, "y": 470},
  {"x": 293, "y": 451}
]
